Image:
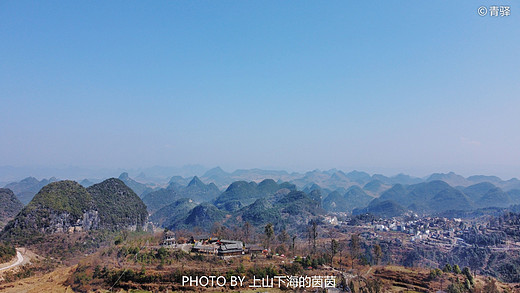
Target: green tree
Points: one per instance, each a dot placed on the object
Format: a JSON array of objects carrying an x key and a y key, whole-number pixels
[
  {"x": 333, "y": 250},
  {"x": 377, "y": 253},
  {"x": 162, "y": 253},
  {"x": 455, "y": 287},
  {"x": 467, "y": 285},
  {"x": 434, "y": 273},
  {"x": 456, "y": 269},
  {"x": 466, "y": 272},
  {"x": 447, "y": 268}
]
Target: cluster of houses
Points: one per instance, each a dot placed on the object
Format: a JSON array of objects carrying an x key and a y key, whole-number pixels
[
  {"x": 215, "y": 246},
  {"x": 429, "y": 230}
]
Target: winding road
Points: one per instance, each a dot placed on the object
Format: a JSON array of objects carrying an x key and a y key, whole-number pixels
[{"x": 19, "y": 260}]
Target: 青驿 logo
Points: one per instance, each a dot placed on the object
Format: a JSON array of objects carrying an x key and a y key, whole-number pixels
[{"x": 494, "y": 10}]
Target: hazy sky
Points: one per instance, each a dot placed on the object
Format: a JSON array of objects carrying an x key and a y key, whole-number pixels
[{"x": 381, "y": 86}]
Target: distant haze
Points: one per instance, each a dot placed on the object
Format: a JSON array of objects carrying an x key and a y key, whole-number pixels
[{"x": 410, "y": 87}]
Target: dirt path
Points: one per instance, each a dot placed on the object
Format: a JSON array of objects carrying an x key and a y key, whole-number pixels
[{"x": 19, "y": 261}]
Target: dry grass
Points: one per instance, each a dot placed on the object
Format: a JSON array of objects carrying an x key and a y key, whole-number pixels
[{"x": 51, "y": 282}]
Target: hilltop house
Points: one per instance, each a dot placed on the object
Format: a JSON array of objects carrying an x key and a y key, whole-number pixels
[
  {"x": 168, "y": 239},
  {"x": 219, "y": 246}
]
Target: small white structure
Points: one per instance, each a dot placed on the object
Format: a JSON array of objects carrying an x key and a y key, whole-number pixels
[{"x": 169, "y": 239}]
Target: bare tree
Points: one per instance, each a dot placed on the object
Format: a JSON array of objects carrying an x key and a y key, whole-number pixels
[
  {"x": 293, "y": 247},
  {"x": 247, "y": 231},
  {"x": 269, "y": 233},
  {"x": 355, "y": 246},
  {"x": 283, "y": 236},
  {"x": 314, "y": 235}
]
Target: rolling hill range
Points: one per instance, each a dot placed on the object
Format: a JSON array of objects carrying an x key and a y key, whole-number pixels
[
  {"x": 328, "y": 179},
  {"x": 172, "y": 213},
  {"x": 196, "y": 190},
  {"x": 28, "y": 187},
  {"x": 242, "y": 193},
  {"x": 157, "y": 199},
  {"x": 242, "y": 202},
  {"x": 259, "y": 203},
  {"x": 381, "y": 208},
  {"x": 354, "y": 197},
  {"x": 188, "y": 203},
  {"x": 437, "y": 197},
  {"x": 430, "y": 197},
  {"x": 139, "y": 188},
  {"x": 486, "y": 194}
]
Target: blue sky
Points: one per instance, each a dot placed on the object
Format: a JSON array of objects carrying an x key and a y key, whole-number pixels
[{"x": 380, "y": 86}]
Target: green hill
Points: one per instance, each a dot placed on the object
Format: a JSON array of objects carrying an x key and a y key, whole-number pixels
[
  {"x": 288, "y": 209},
  {"x": 353, "y": 198},
  {"x": 396, "y": 193},
  {"x": 382, "y": 208},
  {"x": 486, "y": 194},
  {"x": 282, "y": 208},
  {"x": 429, "y": 197},
  {"x": 202, "y": 216},
  {"x": 298, "y": 203},
  {"x": 218, "y": 176},
  {"x": 158, "y": 199},
  {"x": 66, "y": 206},
  {"x": 495, "y": 197},
  {"x": 335, "y": 202},
  {"x": 57, "y": 207},
  {"x": 260, "y": 213},
  {"x": 375, "y": 187},
  {"x": 10, "y": 206},
  {"x": 139, "y": 188},
  {"x": 359, "y": 177},
  {"x": 173, "y": 213},
  {"x": 476, "y": 191},
  {"x": 247, "y": 193},
  {"x": 200, "y": 192},
  {"x": 179, "y": 180},
  {"x": 118, "y": 205},
  {"x": 514, "y": 195},
  {"x": 195, "y": 190}
]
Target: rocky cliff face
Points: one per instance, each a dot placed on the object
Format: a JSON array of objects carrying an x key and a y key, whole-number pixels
[{"x": 64, "y": 222}]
